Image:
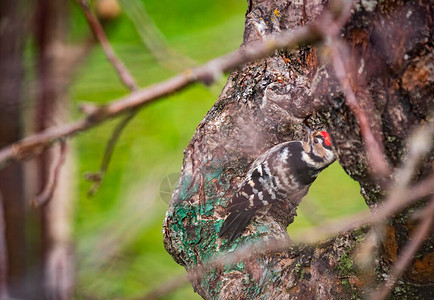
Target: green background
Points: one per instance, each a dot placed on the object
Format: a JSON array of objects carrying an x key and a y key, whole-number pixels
[{"x": 117, "y": 232}]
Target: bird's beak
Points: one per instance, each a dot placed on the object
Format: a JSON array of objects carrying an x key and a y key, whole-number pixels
[{"x": 308, "y": 137}]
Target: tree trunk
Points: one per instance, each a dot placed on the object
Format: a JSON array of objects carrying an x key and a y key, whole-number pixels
[
  {"x": 265, "y": 103},
  {"x": 11, "y": 178},
  {"x": 37, "y": 263},
  {"x": 53, "y": 75}
]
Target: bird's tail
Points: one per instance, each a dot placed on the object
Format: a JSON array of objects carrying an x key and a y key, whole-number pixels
[{"x": 235, "y": 224}]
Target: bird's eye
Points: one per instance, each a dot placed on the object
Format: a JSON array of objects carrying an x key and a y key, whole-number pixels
[{"x": 316, "y": 141}]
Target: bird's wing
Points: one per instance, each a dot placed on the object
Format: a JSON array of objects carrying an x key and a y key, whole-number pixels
[{"x": 253, "y": 195}]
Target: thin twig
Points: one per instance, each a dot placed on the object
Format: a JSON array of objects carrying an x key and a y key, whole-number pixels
[
  {"x": 97, "y": 177},
  {"x": 38, "y": 142},
  {"x": 99, "y": 33},
  {"x": 51, "y": 185},
  {"x": 416, "y": 240},
  {"x": 341, "y": 64},
  {"x": 129, "y": 82},
  {"x": 373, "y": 147}
]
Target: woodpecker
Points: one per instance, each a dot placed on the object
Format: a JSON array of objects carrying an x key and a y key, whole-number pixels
[{"x": 283, "y": 173}]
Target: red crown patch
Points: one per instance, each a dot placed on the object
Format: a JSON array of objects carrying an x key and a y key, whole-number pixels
[{"x": 326, "y": 138}]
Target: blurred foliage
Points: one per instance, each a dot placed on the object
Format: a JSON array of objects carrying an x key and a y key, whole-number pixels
[{"x": 120, "y": 253}]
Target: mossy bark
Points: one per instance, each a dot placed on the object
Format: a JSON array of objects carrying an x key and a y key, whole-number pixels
[{"x": 265, "y": 103}]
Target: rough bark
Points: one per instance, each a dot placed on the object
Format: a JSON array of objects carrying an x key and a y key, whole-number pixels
[{"x": 265, "y": 103}]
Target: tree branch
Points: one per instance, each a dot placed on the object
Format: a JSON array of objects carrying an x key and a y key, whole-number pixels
[
  {"x": 97, "y": 177},
  {"x": 98, "y": 31},
  {"x": 207, "y": 73},
  {"x": 50, "y": 186},
  {"x": 129, "y": 82},
  {"x": 373, "y": 147}
]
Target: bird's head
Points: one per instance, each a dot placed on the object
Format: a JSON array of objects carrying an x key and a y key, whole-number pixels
[
  {"x": 318, "y": 144},
  {"x": 321, "y": 146}
]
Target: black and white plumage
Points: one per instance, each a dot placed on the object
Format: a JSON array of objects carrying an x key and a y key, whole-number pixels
[{"x": 283, "y": 173}]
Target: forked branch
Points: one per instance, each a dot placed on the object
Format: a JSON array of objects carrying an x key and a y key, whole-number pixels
[{"x": 127, "y": 79}]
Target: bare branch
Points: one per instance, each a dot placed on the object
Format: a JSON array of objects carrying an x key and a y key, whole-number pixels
[
  {"x": 129, "y": 82},
  {"x": 341, "y": 64},
  {"x": 98, "y": 176},
  {"x": 416, "y": 240},
  {"x": 50, "y": 187},
  {"x": 207, "y": 73},
  {"x": 373, "y": 147},
  {"x": 98, "y": 31}
]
